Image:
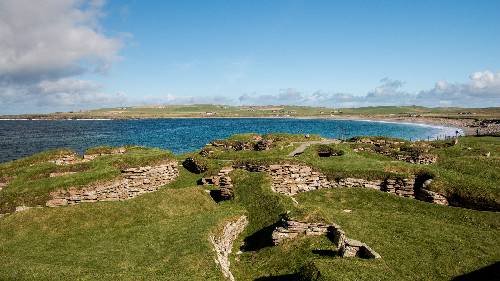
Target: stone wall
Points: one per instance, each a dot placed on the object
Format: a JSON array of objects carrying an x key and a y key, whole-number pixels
[
  {"x": 223, "y": 180},
  {"x": 346, "y": 247},
  {"x": 426, "y": 195},
  {"x": 401, "y": 187},
  {"x": 290, "y": 179},
  {"x": 223, "y": 244},
  {"x": 132, "y": 183}
]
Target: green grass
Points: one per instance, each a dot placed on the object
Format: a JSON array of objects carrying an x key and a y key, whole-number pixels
[
  {"x": 418, "y": 241},
  {"x": 201, "y": 110},
  {"x": 164, "y": 235},
  {"x": 30, "y": 184},
  {"x": 159, "y": 236}
]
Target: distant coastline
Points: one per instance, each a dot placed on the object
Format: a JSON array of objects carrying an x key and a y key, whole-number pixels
[{"x": 468, "y": 121}]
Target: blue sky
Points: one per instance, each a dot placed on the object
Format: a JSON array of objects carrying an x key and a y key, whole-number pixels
[{"x": 302, "y": 52}]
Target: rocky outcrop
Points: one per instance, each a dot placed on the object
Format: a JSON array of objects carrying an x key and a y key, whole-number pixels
[
  {"x": 132, "y": 183},
  {"x": 222, "y": 180},
  {"x": 346, "y": 247},
  {"x": 223, "y": 244}
]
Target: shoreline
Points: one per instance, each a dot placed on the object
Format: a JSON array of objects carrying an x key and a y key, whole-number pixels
[{"x": 464, "y": 126}]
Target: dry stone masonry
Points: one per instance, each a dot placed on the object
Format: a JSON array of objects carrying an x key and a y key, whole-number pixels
[
  {"x": 346, "y": 247},
  {"x": 132, "y": 183},
  {"x": 223, "y": 245},
  {"x": 426, "y": 195},
  {"x": 223, "y": 180},
  {"x": 292, "y": 179},
  {"x": 416, "y": 153}
]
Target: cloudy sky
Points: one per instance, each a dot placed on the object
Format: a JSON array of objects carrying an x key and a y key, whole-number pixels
[{"x": 60, "y": 55}]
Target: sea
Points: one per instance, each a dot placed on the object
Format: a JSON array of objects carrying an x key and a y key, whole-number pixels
[{"x": 20, "y": 138}]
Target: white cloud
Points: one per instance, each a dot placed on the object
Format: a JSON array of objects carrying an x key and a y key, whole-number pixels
[
  {"x": 43, "y": 44},
  {"x": 61, "y": 94},
  {"x": 288, "y": 96},
  {"x": 52, "y": 39},
  {"x": 483, "y": 90}
]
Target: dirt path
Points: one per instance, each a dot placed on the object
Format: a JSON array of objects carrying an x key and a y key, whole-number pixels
[{"x": 299, "y": 150}]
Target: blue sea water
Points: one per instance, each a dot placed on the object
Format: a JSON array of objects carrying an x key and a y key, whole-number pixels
[{"x": 19, "y": 138}]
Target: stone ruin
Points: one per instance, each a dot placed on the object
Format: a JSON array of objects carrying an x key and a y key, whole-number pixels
[
  {"x": 222, "y": 180},
  {"x": 118, "y": 150},
  {"x": 258, "y": 144},
  {"x": 195, "y": 165},
  {"x": 68, "y": 159},
  {"x": 391, "y": 148},
  {"x": 291, "y": 179},
  {"x": 346, "y": 247},
  {"x": 132, "y": 183},
  {"x": 73, "y": 158},
  {"x": 223, "y": 244},
  {"x": 427, "y": 195}
]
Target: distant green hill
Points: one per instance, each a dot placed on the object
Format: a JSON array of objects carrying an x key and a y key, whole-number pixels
[{"x": 208, "y": 110}]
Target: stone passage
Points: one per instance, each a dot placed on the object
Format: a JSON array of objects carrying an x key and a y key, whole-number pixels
[
  {"x": 133, "y": 182},
  {"x": 223, "y": 245},
  {"x": 346, "y": 247},
  {"x": 223, "y": 180}
]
